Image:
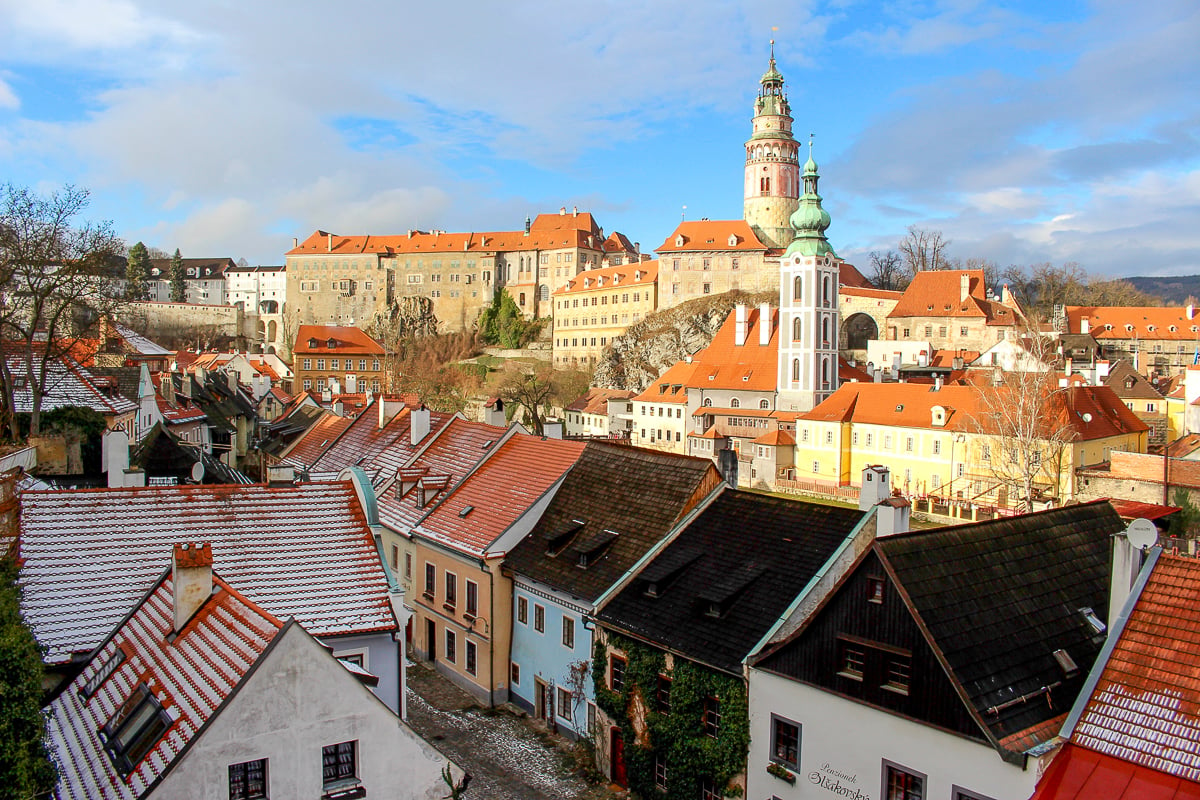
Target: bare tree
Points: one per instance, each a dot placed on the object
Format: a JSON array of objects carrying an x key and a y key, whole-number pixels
[
  {"x": 1023, "y": 424},
  {"x": 887, "y": 271},
  {"x": 59, "y": 276},
  {"x": 923, "y": 249},
  {"x": 539, "y": 388}
]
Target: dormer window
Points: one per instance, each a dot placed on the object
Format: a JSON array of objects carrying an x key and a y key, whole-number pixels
[
  {"x": 558, "y": 538},
  {"x": 733, "y": 240},
  {"x": 679, "y": 240},
  {"x": 331, "y": 343},
  {"x": 135, "y": 729},
  {"x": 312, "y": 343}
]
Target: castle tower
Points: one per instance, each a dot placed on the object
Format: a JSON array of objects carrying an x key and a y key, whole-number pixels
[
  {"x": 772, "y": 162},
  {"x": 808, "y": 305}
]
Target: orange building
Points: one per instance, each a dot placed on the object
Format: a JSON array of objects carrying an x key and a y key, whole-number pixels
[{"x": 337, "y": 359}]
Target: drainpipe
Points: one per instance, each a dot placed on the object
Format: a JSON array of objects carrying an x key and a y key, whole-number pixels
[{"x": 491, "y": 636}]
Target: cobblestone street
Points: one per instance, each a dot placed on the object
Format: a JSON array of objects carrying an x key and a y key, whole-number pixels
[{"x": 507, "y": 757}]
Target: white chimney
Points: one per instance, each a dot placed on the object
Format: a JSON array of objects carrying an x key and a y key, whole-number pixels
[
  {"x": 923, "y": 358},
  {"x": 1191, "y": 311},
  {"x": 295, "y": 242},
  {"x": 739, "y": 324},
  {"x": 191, "y": 581},
  {"x": 964, "y": 287},
  {"x": 329, "y": 241},
  {"x": 493, "y": 413},
  {"x": 1129, "y": 549},
  {"x": 114, "y": 456},
  {"x": 552, "y": 429},
  {"x": 418, "y": 425},
  {"x": 764, "y": 324},
  {"x": 1085, "y": 325},
  {"x": 388, "y": 409},
  {"x": 281, "y": 475},
  {"x": 876, "y": 486},
  {"x": 1069, "y": 366}
]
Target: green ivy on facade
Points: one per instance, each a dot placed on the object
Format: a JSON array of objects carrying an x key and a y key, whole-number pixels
[{"x": 677, "y": 738}]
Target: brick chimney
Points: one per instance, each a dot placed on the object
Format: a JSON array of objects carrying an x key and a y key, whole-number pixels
[{"x": 192, "y": 581}]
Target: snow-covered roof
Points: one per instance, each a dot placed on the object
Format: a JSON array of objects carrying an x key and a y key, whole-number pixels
[
  {"x": 302, "y": 551},
  {"x": 140, "y": 344},
  {"x": 187, "y": 677},
  {"x": 67, "y": 384}
]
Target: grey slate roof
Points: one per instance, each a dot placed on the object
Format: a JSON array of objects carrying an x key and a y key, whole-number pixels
[
  {"x": 626, "y": 500},
  {"x": 998, "y": 598},
  {"x": 750, "y": 555}
]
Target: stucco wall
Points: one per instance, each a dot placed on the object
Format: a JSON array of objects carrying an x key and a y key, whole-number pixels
[
  {"x": 844, "y": 743},
  {"x": 298, "y": 701},
  {"x": 382, "y": 660}
]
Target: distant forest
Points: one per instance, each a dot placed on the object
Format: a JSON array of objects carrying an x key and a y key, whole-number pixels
[{"x": 1174, "y": 290}]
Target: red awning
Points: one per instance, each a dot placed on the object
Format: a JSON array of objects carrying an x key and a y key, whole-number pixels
[
  {"x": 1081, "y": 774},
  {"x": 1132, "y": 509}
]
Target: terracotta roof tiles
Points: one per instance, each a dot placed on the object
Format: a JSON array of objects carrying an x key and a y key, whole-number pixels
[
  {"x": 1134, "y": 322},
  {"x": 706, "y": 235}
]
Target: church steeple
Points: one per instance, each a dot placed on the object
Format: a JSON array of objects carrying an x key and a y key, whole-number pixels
[
  {"x": 810, "y": 220},
  {"x": 772, "y": 161}
]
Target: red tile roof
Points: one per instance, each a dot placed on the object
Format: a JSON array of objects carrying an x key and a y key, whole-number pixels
[
  {"x": 1081, "y": 774},
  {"x": 191, "y": 674},
  {"x": 938, "y": 293},
  {"x": 618, "y": 277},
  {"x": 363, "y": 441},
  {"x": 306, "y": 450},
  {"x": 712, "y": 235},
  {"x": 1129, "y": 322},
  {"x": 303, "y": 551},
  {"x": 348, "y": 341},
  {"x": 453, "y": 452},
  {"x": 865, "y": 291},
  {"x": 1146, "y": 706},
  {"x": 516, "y": 475},
  {"x": 544, "y": 238},
  {"x": 850, "y": 277},
  {"x": 596, "y": 400},
  {"x": 1092, "y": 412}
]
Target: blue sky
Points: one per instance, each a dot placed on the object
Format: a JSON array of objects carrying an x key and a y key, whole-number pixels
[{"x": 1026, "y": 132}]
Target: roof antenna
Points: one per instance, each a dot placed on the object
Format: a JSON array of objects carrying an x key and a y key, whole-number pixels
[{"x": 683, "y": 214}]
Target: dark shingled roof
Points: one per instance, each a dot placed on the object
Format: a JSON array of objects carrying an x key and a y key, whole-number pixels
[
  {"x": 748, "y": 554},
  {"x": 636, "y": 494},
  {"x": 998, "y": 598}
]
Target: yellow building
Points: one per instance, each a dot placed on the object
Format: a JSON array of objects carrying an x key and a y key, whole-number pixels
[
  {"x": 935, "y": 440},
  {"x": 594, "y": 307}
]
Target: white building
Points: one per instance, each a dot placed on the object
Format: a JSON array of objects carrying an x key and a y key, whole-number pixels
[
  {"x": 261, "y": 292},
  {"x": 270, "y": 713}
]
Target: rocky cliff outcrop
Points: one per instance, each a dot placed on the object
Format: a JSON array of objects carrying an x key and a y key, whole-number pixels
[{"x": 650, "y": 347}]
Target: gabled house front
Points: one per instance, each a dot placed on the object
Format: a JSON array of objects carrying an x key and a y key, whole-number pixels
[
  {"x": 941, "y": 666},
  {"x": 198, "y": 692}
]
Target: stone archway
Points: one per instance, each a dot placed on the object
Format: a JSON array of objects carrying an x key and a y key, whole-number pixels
[{"x": 857, "y": 330}]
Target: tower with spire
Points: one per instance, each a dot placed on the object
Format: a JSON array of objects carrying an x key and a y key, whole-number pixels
[
  {"x": 772, "y": 162},
  {"x": 808, "y": 304}
]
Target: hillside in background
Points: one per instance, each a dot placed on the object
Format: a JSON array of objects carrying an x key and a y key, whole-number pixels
[{"x": 1173, "y": 289}]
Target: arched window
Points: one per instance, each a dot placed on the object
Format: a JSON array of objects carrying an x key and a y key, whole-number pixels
[
  {"x": 796, "y": 325},
  {"x": 824, "y": 373},
  {"x": 825, "y": 291},
  {"x": 708, "y": 402},
  {"x": 764, "y": 404},
  {"x": 825, "y": 332},
  {"x": 797, "y": 289},
  {"x": 735, "y": 403},
  {"x": 796, "y": 370}
]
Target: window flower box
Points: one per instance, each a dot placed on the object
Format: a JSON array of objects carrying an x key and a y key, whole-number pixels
[{"x": 781, "y": 772}]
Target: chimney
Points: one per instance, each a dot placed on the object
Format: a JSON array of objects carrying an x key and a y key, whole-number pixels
[
  {"x": 1069, "y": 366},
  {"x": 231, "y": 379},
  {"x": 1102, "y": 368},
  {"x": 562, "y": 211},
  {"x": 739, "y": 324},
  {"x": 1129, "y": 548},
  {"x": 876, "y": 486},
  {"x": 1191, "y": 311},
  {"x": 339, "y": 408},
  {"x": 388, "y": 409},
  {"x": 1064, "y": 382},
  {"x": 114, "y": 456},
  {"x": 764, "y": 324},
  {"x": 281, "y": 475},
  {"x": 1005, "y": 295},
  {"x": 418, "y": 425},
  {"x": 964, "y": 287},
  {"x": 295, "y": 242},
  {"x": 575, "y": 211},
  {"x": 191, "y": 581},
  {"x": 493, "y": 413},
  {"x": 552, "y": 429},
  {"x": 923, "y": 358},
  {"x": 329, "y": 241},
  {"x": 937, "y": 383},
  {"x": 1085, "y": 325},
  {"x": 528, "y": 222}
]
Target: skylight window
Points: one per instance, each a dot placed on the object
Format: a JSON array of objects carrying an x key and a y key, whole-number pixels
[
  {"x": 1090, "y": 617},
  {"x": 466, "y": 510},
  {"x": 135, "y": 729}
]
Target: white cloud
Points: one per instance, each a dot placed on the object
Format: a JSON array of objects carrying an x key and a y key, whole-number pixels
[{"x": 8, "y": 98}]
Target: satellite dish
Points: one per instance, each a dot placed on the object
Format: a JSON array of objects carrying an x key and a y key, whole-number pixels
[
  {"x": 1142, "y": 534},
  {"x": 198, "y": 472}
]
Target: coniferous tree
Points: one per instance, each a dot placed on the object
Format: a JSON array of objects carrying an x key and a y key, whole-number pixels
[
  {"x": 137, "y": 272},
  {"x": 26, "y": 768},
  {"x": 178, "y": 287}
]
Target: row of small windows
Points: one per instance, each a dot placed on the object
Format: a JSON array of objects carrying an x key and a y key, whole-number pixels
[
  {"x": 602, "y": 300},
  {"x": 320, "y": 384},
  {"x": 333, "y": 364},
  {"x": 576, "y": 322},
  {"x": 576, "y": 342}
]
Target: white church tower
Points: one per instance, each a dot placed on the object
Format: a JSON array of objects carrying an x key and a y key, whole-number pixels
[{"x": 808, "y": 305}]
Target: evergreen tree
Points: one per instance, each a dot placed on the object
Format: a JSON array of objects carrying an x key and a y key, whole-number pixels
[
  {"x": 178, "y": 287},
  {"x": 26, "y": 769},
  {"x": 137, "y": 271},
  {"x": 502, "y": 324}
]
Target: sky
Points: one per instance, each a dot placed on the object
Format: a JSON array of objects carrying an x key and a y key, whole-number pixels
[{"x": 1025, "y": 132}]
